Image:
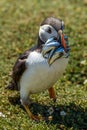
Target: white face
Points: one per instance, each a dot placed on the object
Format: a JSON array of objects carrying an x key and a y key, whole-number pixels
[{"x": 46, "y": 32}]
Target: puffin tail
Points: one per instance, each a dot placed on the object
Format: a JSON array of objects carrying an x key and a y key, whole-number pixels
[{"x": 12, "y": 86}]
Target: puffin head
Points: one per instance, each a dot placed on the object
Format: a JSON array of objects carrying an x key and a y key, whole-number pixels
[
  {"x": 50, "y": 28},
  {"x": 51, "y": 37}
]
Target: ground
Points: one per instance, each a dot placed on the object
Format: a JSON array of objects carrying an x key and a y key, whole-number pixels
[{"x": 19, "y": 24}]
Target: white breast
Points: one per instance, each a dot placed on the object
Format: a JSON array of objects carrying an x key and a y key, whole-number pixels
[{"x": 39, "y": 75}]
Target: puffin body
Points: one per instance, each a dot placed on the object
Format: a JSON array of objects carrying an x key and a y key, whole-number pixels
[
  {"x": 38, "y": 75},
  {"x": 35, "y": 70}
]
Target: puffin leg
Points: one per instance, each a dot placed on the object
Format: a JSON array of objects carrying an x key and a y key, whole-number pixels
[
  {"x": 52, "y": 93},
  {"x": 25, "y": 101},
  {"x": 34, "y": 117}
]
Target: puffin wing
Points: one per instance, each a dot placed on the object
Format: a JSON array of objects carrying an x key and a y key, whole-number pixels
[{"x": 19, "y": 67}]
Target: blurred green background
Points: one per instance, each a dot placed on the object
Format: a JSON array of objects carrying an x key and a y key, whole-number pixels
[{"x": 19, "y": 25}]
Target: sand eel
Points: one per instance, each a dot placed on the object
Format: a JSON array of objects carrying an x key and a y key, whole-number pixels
[{"x": 38, "y": 68}]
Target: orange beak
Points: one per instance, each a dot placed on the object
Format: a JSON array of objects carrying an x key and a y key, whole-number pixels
[{"x": 62, "y": 39}]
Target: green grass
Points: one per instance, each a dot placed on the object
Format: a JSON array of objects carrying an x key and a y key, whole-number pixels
[{"x": 19, "y": 24}]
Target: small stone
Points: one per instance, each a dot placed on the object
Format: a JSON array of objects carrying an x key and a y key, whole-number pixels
[
  {"x": 50, "y": 118},
  {"x": 63, "y": 113},
  {"x": 50, "y": 110},
  {"x": 1, "y": 114},
  {"x": 83, "y": 62},
  {"x": 85, "y": 82}
]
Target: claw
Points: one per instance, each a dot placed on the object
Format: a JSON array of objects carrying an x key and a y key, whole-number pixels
[{"x": 36, "y": 118}]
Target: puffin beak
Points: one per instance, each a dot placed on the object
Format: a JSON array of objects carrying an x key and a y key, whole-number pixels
[{"x": 60, "y": 32}]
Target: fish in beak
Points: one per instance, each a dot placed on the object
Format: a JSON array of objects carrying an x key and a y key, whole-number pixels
[
  {"x": 54, "y": 55},
  {"x": 53, "y": 49},
  {"x": 50, "y": 45}
]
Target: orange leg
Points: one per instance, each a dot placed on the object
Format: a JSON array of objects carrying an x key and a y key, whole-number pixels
[
  {"x": 52, "y": 93},
  {"x": 34, "y": 117},
  {"x": 37, "y": 118}
]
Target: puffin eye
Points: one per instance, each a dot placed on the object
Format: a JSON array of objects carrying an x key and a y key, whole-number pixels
[{"x": 49, "y": 30}]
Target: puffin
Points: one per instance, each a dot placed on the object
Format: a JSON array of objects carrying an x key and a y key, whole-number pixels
[{"x": 39, "y": 67}]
